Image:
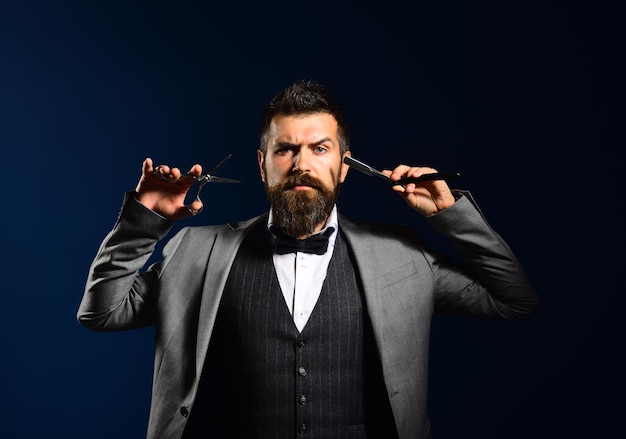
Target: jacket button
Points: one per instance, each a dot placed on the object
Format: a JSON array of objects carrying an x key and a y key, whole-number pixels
[
  {"x": 302, "y": 428},
  {"x": 184, "y": 410}
]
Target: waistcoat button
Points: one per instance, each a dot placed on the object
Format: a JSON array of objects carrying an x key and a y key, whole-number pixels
[
  {"x": 302, "y": 400},
  {"x": 184, "y": 411},
  {"x": 302, "y": 428},
  {"x": 302, "y": 371}
]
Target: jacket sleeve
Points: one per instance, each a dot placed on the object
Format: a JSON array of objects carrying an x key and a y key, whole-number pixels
[
  {"x": 493, "y": 284},
  {"x": 117, "y": 295}
]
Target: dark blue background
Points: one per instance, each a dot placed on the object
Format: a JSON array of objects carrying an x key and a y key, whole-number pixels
[{"x": 520, "y": 97}]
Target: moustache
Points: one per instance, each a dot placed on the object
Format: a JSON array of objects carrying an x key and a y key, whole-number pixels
[{"x": 302, "y": 180}]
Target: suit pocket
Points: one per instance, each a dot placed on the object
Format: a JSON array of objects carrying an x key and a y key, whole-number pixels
[
  {"x": 397, "y": 274},
  {"x": 407, "y": 281},
  {"x": 406, "y": 292}
]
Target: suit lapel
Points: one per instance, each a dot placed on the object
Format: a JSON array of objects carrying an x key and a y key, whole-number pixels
[
  {"x": 220, "y": 260},
  {"x": 368, "y": 267}
]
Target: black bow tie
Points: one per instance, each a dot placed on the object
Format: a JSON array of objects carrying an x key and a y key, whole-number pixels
[{"x": 316, "y": 244}]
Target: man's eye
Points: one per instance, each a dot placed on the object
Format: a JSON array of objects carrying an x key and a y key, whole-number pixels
[
  {"x": 320, "y": 149},
  {"x": 284, "y": 151}
]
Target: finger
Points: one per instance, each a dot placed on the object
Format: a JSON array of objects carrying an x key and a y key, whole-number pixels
[
  {"x": 146, "y": 167},
  {"x": 146, "y": 173},
  {"x": 174, "y": 174},
  {"x": 419, "y": 171},
  {"x": 412, "y": 172},
  {"x": 194, "y": 208},
  {"x": 167, "y": 173},
  {"x": 161, "y": 171},
  {"x": 398, "y": 172},
  {"x": 195, "y": 170},
  {"x": 395, "y": 187},
  {"x": 409, "y": 188}
]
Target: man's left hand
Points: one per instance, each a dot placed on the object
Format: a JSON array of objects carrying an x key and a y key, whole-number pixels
[{"x": 427, "y": 197}]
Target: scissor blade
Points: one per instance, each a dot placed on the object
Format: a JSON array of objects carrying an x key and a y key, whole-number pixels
[
  {"x": 217, "y": 168},
  {"x": 368, "y": 170},
  {"x": 221, "y": 180},
  {"x": 363, "y": 167}
]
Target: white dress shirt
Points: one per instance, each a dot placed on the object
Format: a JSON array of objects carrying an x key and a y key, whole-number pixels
[{"x": 301, "y": 275}]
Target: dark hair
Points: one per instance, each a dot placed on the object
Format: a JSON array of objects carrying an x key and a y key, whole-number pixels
[{"x": 304, "y": 97}]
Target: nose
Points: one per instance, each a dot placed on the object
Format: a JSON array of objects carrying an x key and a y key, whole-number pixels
[{"x": 301, "y": 161}]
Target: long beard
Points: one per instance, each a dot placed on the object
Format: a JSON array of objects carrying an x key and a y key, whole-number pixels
[{"x": 298, "y": 213}]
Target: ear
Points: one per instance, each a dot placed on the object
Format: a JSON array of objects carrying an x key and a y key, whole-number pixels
[
  {"x": 261, "y": 159},
  {"x": 344, "y": 167}
]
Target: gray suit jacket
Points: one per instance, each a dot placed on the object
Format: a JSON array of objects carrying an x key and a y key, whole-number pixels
[{"x": 403, "y": 284}]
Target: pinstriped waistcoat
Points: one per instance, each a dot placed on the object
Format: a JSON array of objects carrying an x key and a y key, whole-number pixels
[{"x": 264, "y": 379}]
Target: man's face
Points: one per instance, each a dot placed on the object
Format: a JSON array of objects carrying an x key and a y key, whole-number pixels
[{"x": 302, "y": 170}]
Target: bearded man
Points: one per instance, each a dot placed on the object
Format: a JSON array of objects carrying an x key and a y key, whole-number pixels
[{"x": 300, "y": 322}]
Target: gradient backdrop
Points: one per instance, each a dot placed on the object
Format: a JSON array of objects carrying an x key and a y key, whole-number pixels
[{"x": 521, "y": 97}]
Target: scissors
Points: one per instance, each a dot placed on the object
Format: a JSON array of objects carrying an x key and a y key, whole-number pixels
[
  {"x": 208, "y": 178},
  {"x": 370, "y": 171}
]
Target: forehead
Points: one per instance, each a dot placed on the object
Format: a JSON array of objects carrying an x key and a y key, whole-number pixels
[{"x": 302, "y": 128}]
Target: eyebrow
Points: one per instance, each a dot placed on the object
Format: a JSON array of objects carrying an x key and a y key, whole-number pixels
[{"x": 317, "y": 143}]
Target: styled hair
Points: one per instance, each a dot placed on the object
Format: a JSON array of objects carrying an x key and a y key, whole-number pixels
[{"x": 301, "y": 98}]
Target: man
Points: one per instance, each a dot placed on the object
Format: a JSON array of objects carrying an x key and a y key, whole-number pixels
[{"x": 256, "y": 337}]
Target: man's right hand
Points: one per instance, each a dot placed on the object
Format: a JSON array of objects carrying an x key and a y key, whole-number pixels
[{"x": 163, "y": 190}]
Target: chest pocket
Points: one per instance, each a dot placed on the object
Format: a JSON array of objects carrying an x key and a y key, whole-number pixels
[{"x": 406, "y": 292}]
